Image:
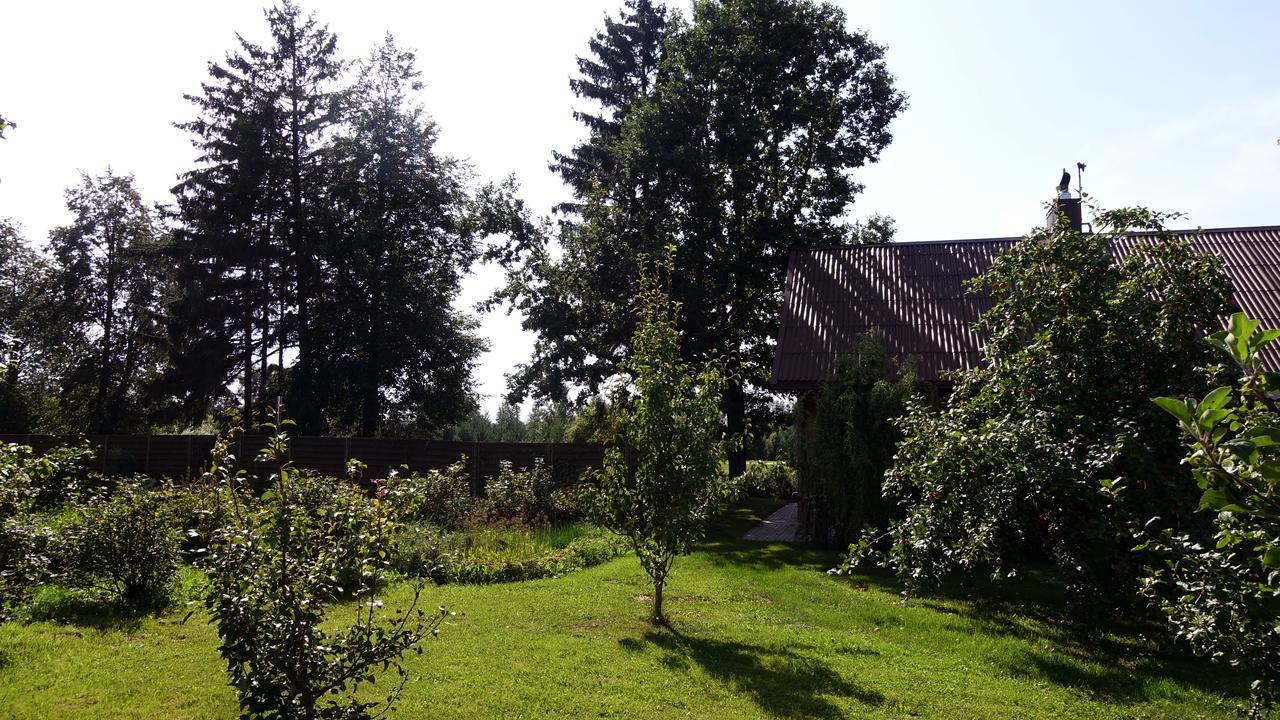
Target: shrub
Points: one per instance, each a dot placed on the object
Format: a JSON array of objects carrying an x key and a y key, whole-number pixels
[
  {"x": 496, "y": 554},
  {"x": 270, "y": 573},
  {"x": 520, "y": 496},
  {"x": 61, "y": 475},
  {"x": 197, "y": 511},
  {"x": 346, "y": 533},
  {"x": 1010, "y": 470},
  {"x": 845, "y": 438},
  {"x": 25, "y": 549},
  {"x": 1223, "y": 597},
  {"x": 43, "y": 482},
  {"x": 123, "y": 543},
  {"x": 662, "y": 502},
  {"x": 436, "y": 497},
  {"x": 768, "y": 478}
]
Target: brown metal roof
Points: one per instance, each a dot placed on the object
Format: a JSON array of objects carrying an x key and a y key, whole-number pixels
[{"x": 913, "y": 296}]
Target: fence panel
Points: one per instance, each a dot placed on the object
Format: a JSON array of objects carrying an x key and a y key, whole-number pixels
[{"x": 184, "y": 456}]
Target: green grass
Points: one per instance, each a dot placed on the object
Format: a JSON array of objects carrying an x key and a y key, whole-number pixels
[{"x": 758, "y": 631}]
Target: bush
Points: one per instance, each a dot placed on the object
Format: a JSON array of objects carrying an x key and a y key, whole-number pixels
[
  {"x": 346, "y": 533},
  {"x": 123, "y": 543},
  {"x": 25, "y": 562},
  {"x": 61, "y": 475},
  {"x": 44, "y": 482},
  {"x": 1223, "y": 597},
  {"x": 436, "y": 497},
  {"x": 496, "y": 554},
  {"x": 768, "y": 478},
  {"x": 1010, "y": 471},
  {"x": 845, "y": 438},
  {"x": 270, "y": 573},
  {"x": 197, "y": 512},
  {"x": 520, "y": 496}
]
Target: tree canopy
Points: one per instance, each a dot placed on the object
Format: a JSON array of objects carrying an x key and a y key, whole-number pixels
[{"x": 732, "y": 136}]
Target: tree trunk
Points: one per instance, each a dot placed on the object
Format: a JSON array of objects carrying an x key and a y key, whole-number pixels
[
  {"x": 247, "y": 355},
  {"x": 735, "y": 411},
  {"x": 108, "y": 335},
  {"x": 658, "y": 617}
]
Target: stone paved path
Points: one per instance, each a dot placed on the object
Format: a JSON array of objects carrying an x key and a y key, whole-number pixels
[{"x": 781, "y": 526}]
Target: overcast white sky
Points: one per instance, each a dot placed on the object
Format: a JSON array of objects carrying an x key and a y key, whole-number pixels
[{"x": 1175, "y": 105}]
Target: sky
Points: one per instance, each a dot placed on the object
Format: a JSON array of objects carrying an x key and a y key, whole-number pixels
[{"x": 1174, "y": 105}]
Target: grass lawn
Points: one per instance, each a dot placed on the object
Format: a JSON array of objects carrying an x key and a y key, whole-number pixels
[{"x": 759, "y": 631}]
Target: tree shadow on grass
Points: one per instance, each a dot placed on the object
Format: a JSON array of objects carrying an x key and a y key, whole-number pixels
[
  {"x": 783, "y": 682},
  {"x": 86, "y": 610},
  {"x": 1120, "y": 660},
  {"x": 724, "y": 551}
]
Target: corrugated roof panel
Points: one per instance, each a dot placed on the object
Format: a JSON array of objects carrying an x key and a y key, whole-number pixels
[{"x": 913, "y": 295}]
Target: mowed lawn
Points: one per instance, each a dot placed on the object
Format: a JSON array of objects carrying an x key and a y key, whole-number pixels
[{"x": 759, "y": 631}]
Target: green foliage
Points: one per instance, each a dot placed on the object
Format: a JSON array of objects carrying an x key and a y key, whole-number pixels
[
  {"x": 101, "y": 327},
  {"x": 438, "y": 497},
  {"x": 30, "y": 485},
  {"x": 26, "y": 549},
  {"x": 595, "y": 422},
  {"x": 661, "y": 495},
  {"x": 1224, "y": 597},
  {"x": 28, "y": 395},
  {"x": 489, "y": 554},
  {"x": 249, "y": 244},
  {"x": 124, "y": 543},
  {"x": 523, "y": 497},
  {"x": 57, "y": 476},
  {"x": 1011, "y": 469},
  {"x": 343, "y": 531},
  {"x": 272, "y": 573},
  {"x": 844, "y": 442},
  {"x": 768, "y": 478},
  {"x": 734, "y": 135},
  {"x": 198, "y": 510},
  {"x": 395, "y": 354}
]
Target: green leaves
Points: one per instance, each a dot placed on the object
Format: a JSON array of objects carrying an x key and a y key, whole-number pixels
[
  {"x": 1232, "y": 607},
  {"x": 663, "y": 482},
  {"x": 274, "y": 569},
  {"x": 1177, "y": 408},
  {"x": 1241, "y": 341}
]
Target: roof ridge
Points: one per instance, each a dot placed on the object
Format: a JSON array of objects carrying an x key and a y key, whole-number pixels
[{"x": 970, "y": 241}]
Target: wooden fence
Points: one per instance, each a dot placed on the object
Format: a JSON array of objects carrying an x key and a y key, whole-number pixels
[{"x": 183, "y": 456}]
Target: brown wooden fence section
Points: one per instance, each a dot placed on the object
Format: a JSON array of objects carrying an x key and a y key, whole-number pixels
[{"x": 182, "y": 456}]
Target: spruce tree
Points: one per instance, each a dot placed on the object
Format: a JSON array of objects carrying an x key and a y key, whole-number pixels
[
  {"x": 249, "y": 244},
  {"x": 396, "y": 355}
]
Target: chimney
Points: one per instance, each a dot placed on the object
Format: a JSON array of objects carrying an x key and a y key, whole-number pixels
[{"x": 1065, "y": 209}]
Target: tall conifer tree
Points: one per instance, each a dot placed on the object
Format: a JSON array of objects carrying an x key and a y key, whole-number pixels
[
  {"x": 249, "y": 243},
  {"x": 395, "y": 353}
]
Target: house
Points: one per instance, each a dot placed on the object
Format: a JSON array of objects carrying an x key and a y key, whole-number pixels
[{"x": 914, "y": 297}]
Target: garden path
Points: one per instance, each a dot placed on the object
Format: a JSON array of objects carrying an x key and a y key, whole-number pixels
[{"x": 783, "y": 525}]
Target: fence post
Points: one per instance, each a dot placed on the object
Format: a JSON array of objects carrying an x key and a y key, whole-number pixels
[{"x": 146, "y": 462}]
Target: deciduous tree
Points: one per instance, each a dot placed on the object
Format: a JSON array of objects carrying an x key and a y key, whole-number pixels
[
  {"x": 103, "y": 333},
  {"x": 662, "y": 481}
]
